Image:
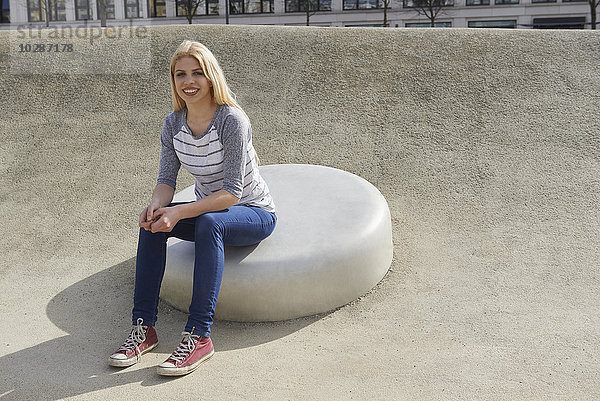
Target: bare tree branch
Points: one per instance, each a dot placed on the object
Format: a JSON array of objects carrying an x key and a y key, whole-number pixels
[
  {"x": 594, "y": 10},
  {"x": 190, "y": 7},
  {"x": 46, "y": 9},
  {"x": 308, "y": 4},
  {"x": 102, "y": 12},
  {"x": 429, "y": 8},
  {"x": 386, "y": 6}
]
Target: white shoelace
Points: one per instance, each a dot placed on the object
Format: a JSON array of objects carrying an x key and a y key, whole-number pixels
[
  {"x": 136, "y": 337},
  {"x": 185, "y": 347}
]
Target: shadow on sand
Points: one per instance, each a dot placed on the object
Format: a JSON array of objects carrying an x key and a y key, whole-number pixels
[{"x": 96, "y": 313}]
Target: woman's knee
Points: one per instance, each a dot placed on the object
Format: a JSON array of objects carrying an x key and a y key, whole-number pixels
[
  {"x": 149, "y": 236},
  {"x": 207, "y": 225}
]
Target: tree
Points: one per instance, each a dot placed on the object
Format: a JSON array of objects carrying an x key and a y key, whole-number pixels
[
  {"x": 594, "y": 9},
  {"x": 47, "y": 10},
  {"x": 386, "y": 4},
  {"x": 430, "y": 8},
  {"x": 102, "y": 12},
  {"x": 311, "y": 9},
  {"x": 190, "y": 7}
]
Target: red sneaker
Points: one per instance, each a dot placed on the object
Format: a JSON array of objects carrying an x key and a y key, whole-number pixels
[
  {"x": 192, "y": 351},
  {"x": 142, "y": 339}
]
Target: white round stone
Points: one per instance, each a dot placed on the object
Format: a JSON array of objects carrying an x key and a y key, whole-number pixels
[{"x": 332, "y": 244}]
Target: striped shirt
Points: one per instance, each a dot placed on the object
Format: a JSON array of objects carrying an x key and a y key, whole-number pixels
[{"x": 220, "y": 158}]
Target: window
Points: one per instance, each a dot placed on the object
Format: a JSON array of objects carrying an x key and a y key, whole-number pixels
[
  {"x": 543, "y": 1},
  {"x": 428, "y": 25},
  {"x": 57, "y": 10},
  {"x": 5, "y": 12},
  {"x": 34, "y": 11},
  {"x": 205, "y": 7},
  {"x": 251, "y": 6},
  {"x": 507, "y": 1},
  {"x": 293, "y": 6},
  {"x": 425, "y": 3},
  {"x": 110, "y": 8},
  {"x": 37, "y": 11},
  {"x": 365, "y": 26},
  {"x": 132, "y": 9},
  {"x": 478, "y": 2},
  {"x": 364, "y": 4},
  {"x": 157, "y": 8},
  {"x": 82, "y": 9},
  {"x": 493, "y": 24},
  {"x": 559, "y": 23}
]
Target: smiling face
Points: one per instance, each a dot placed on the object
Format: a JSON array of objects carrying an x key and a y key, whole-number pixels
[{"x": 190, "y": 83}]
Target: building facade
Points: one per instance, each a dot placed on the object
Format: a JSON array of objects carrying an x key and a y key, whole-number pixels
[{"x": 548, "y": 14}]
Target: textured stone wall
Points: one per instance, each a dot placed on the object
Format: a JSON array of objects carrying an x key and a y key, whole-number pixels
[{"x": 484, "y": 142}]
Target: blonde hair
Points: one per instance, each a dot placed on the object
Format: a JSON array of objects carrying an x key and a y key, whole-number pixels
[{"x": 212, "y": 71}]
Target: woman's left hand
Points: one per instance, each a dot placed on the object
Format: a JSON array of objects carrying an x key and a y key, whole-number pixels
[{"x": 165, "y": 219}]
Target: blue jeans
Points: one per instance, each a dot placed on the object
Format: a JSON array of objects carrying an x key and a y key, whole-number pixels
[{"x": 235, "y": 226}]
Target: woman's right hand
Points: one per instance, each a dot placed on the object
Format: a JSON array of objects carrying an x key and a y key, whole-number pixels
[
  {"x": 161, "y": 196},
  {"x": 147, "y": 216}
]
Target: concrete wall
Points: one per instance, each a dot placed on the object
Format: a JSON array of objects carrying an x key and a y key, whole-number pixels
[{"x": 484, "y": 142}]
